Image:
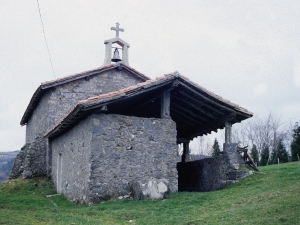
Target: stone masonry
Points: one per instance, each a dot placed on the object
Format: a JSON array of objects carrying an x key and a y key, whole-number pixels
[
  {"x": 31, "y": 161},
  {"x": 212, "y": 173},
  {"x": 104, "y": 155},
  {"x": 57, "y": 102},
  {"x": 53, "y": 106}
]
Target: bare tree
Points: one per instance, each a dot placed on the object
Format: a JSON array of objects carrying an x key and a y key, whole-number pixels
[
  {"x": 259, "y": 131},
  {"x": 201, "y": 145}
]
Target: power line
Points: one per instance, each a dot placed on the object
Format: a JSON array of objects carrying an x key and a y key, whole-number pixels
[{"x": 45, "y": 38}]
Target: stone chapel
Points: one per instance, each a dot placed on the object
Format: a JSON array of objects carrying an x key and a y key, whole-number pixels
[{"x": 111, "y": 131}]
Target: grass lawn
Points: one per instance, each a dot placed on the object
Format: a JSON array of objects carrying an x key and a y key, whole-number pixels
[{"x": 271, "y": 196}]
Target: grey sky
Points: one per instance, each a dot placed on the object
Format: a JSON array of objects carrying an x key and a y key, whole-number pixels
[{"x": 246, "y": 51}]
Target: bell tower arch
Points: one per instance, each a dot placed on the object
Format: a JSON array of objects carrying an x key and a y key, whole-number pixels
[{"x": 120, "y": 42}]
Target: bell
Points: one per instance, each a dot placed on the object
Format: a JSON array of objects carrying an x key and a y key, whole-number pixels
[{"x": 116, "y": 57}]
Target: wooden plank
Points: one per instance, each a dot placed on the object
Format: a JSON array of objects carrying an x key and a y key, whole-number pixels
[
  {"x": 188, "y": 114},
  {"x": 182, "y": 140},
  {"x": 184, "y": 108},
  {"x": 165, "y": 104},
  {"x": 138, "y": 105},
  {"x": 211, "y": 99},
  {"x": 208, "y": 127},
  {"x": 195, "y": 106},
  {"x": 187, "y": 120}
]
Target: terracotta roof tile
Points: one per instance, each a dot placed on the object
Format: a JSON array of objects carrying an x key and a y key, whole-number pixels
[
  {"x": 76, "y": 74},
  {"x": 170, "y": 75}
]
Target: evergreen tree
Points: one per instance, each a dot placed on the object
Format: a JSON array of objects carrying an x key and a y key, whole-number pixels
[
  {"x": 295, "y": 146},
  {"x": 274, "y": 156},
  {"x": 279, "y": 153},
  {"x": 282, "y": 153},
  {"x": 254, "y": 154},
  {"x": 216, "y": 149},
  {"x": 264, "y": 156}
]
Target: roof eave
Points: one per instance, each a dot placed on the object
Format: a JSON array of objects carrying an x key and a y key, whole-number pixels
[{"x": 47, "y": 85}]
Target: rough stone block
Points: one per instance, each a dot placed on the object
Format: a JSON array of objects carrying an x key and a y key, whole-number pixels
[
  {"x": 238, "y": 174},
  {"x": 18, "y": 166},
  {"x": 154, "y": 189}
]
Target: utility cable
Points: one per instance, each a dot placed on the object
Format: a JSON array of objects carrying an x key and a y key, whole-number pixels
[{"x": 45, "y": 38}]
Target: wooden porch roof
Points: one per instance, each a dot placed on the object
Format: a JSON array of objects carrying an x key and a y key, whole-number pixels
[{"x": 195, "y": 110}]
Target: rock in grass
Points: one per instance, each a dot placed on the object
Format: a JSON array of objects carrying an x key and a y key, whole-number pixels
[{"x": 155, "y": 189}]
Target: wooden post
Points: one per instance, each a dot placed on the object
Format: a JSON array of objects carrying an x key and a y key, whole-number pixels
[
  {"x": 278, "y": 160},
  {"x": 165, "y": 105},
  {"x": 185, "y": 151},
  {"x": 298, "y": 157},
  {"x": 227, "y": 132}
]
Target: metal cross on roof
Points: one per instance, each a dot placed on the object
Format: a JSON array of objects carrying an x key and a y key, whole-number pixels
[{"x": 117, "y": 29}]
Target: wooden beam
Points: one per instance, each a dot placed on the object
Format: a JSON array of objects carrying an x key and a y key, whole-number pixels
[
  {"x": 197, "y": 107},
  {"x": 139, "y": 103},
  {"x": 210, "y": 126},
  {"x": 165, "y": 105},
  {"x": 182, "y": 140},
  {"x": 206, "y": 99},
  {"x": 188, "y": 114},
  {"x": 211, "y": 99},
  {"x": 188, "y": 120},
  {"x": 197, "y": 116},
  {"x": 201, "y": 103}
]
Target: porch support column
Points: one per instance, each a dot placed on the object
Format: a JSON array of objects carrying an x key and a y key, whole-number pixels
[
  {"x": 228, "y": 126},
  {"x": 186, "y": 151},
  {"x": 165, "y": 105}
]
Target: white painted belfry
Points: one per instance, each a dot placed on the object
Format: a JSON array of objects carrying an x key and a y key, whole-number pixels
[{"x": 119, "y": 41}]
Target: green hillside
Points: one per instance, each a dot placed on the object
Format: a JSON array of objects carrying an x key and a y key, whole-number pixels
[{"x": 271, "y": 196}]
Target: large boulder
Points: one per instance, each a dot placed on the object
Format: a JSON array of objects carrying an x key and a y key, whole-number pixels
[{"x": 155, "y": 189}]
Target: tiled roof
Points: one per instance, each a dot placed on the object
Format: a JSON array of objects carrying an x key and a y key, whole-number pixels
[
  {"x": 48, "y": 84},
  {"x": 160, "y": 79},
  {"x": 136, "y": 89},
  {"x": 91, "y": 72}
]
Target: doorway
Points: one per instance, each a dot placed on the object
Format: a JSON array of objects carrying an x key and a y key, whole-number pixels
[{"x": 59, "y": 173}]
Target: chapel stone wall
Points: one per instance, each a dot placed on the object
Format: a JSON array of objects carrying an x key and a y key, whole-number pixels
[
  {"x": 128, "y": 149},
  {"x": 74, "y": 150},
  {"x": 59, "y": 101},
  {"x": 66, "y": 96},
  {"x": 39, "y": 121}
]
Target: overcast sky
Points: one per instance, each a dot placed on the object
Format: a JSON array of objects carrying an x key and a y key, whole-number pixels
[{"x": 246, "y": 51}]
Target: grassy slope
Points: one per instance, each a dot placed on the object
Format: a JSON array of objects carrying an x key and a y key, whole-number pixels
[{"x": 271, "y": 196}]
